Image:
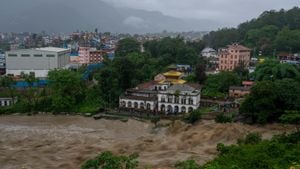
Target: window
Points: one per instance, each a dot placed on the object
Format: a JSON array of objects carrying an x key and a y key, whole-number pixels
[
  {"x": 12, "y": 55},
  {"x": 183, "y": 101},
  {"x": 50, "y": 55},
  {"x": 38, "y": 55},
  {"x": 170, "y": 99},
  {"x": 176, "y": 100},
  {"x": 191, "y": 101},
  {"x": 163, "y": 99},
  {"x": 25, "y": 55}
]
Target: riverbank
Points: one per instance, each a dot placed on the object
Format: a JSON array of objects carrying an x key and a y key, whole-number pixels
[{"x": 67, "y": 141}]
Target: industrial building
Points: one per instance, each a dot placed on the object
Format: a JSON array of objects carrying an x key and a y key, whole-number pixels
[{"x": 38, "y": 61}]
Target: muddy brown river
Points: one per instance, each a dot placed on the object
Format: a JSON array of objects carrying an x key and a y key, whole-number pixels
[{"x": 65, "y": 142}]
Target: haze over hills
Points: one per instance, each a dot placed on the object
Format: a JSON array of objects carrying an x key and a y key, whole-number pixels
[{"x": 72, "y": 15}]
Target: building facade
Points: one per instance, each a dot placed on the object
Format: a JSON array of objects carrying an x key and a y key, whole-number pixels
[
  {"x": 2, "y": 63},
  {"x": 96, "y": 56},
  {"x": 241, "y": 91},
  {"x": 233, "y": 56},
  {"x": 38, "y": 61},
  {"x": 169, "y": 95},
  {"x": 84, "y": 55},
  {"x": 7, "y": 101},
  {"x": 209, "y": 53},
  {"x": 89, "y": 55},
  {"x": 179, "y": 98}
]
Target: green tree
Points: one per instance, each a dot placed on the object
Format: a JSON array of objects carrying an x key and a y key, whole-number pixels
[
  {"x": 260, "y": 104},
  {"x": 126, "y": 46},
  {"x": 107, "y": 160},
  {"x": 220, "y": 83},
  {"x": 292, "y": 117},
  {"x": 8, "y": 83},
  {"x": 200, "y": 73},
  {"x": 273, "y": 70},
  {"x": 66, "y": 88}
]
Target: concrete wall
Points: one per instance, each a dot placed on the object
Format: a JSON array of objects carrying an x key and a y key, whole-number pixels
[{"x": 39, "y": 62}]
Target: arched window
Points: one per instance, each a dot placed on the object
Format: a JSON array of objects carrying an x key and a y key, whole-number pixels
[
  {"x": 142, "y": 106},
  {"x": 170, "y": 109},
  {"x": 123, "y": 104},
  {"x": 183, "y": 109},
  {"x": 191, "y": 109},
  {"x": 148, "y": 106},
  {"x": 176, "y": 109},
  {"x": 129, "y": 104},
  {"x": 162, "y": 107},
  {"x": 136, "y": 105}
]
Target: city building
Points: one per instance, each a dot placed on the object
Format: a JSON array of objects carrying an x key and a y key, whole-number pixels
[
  {"x": 7, "y": 101},
  {"x": 2, "y": 63},
  {"x": 96, "y": 56},
  {"x": 84, "y": 55},
  {"x": 89, "y": 55},
  {"x": 209, "y": 53},
  {"x": 38, "y": 60},
  {"x": 289, "y": 58},
  {"x": 168, "y": 94},
  {"x": 233, "y": 56},
  {"x": 240, "y": 91},
  {"x": 179, "y": 98},
  {"x": 143, "y": 97}
]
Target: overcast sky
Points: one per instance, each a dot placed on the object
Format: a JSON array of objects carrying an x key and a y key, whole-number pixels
[{"x": 227, "y": 12}]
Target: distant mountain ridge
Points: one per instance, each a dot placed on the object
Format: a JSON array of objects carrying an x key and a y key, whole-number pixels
[{"x": 70, "y": 15}]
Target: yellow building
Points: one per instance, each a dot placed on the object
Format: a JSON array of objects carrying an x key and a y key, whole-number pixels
[{"x": 173, "y": 77}]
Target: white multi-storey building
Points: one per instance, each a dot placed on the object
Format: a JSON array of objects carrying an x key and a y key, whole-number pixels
[
  {"x": 179, "y": 98},
  {"x": 38, "y": 61},
  {"x": 163, "y": 97}
]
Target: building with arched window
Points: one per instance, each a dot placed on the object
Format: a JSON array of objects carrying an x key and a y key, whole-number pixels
[{"x": 170, "y": 95}]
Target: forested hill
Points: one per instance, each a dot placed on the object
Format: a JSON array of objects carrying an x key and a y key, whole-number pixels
[{"x": 273, "y": 31}]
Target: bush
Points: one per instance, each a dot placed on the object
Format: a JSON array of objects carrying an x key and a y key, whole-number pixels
[
  {"x": 252, "y": 138},
  {"x": 107, "y": 160},
  {"x": 253, "y": 153},
  {"x": 222, "y": 149},
  {"x": 194, "y": 116},
  {"x": 222, "y": 118}
]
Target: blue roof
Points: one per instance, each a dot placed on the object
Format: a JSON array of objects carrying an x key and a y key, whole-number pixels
[{"x": 23, "y": 84}]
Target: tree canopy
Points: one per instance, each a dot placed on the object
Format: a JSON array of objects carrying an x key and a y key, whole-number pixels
[{"x": 273, "y": 31}]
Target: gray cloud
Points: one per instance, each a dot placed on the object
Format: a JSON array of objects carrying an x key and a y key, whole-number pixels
[
  {"x": 135, "y": 22},
  {"x": 227, "y": 12}
]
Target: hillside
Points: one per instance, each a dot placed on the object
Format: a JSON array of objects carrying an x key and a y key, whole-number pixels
[
  {"x": 273, "y": 31},
  {"x": 69, "y": 15}
]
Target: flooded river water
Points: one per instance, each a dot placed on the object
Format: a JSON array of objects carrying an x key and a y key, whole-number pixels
[{"x": 65, "y": 142}]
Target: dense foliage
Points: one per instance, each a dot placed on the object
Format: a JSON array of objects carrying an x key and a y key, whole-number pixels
[
  {"x": 107, "y": 160},
  {"x": 275, "y": 92},
  {"x": 282, "y": 151},
  {"x": 273, "y": 31},
  {"x": 174, "y": 50},
  {"x": 218, "y": 84}
]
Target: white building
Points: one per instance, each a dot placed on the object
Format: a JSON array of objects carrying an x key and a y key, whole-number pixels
[
  {"x": 38, "y": 61},
  {"x": 179, "y": 98},
  {"x": 7, "y": 101},
  {"x": 2, "y": 63},
  {"x": 162, "y": 97},
  {"x": 209, "y": 53},
  {"x": 143, "y": 97}
]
